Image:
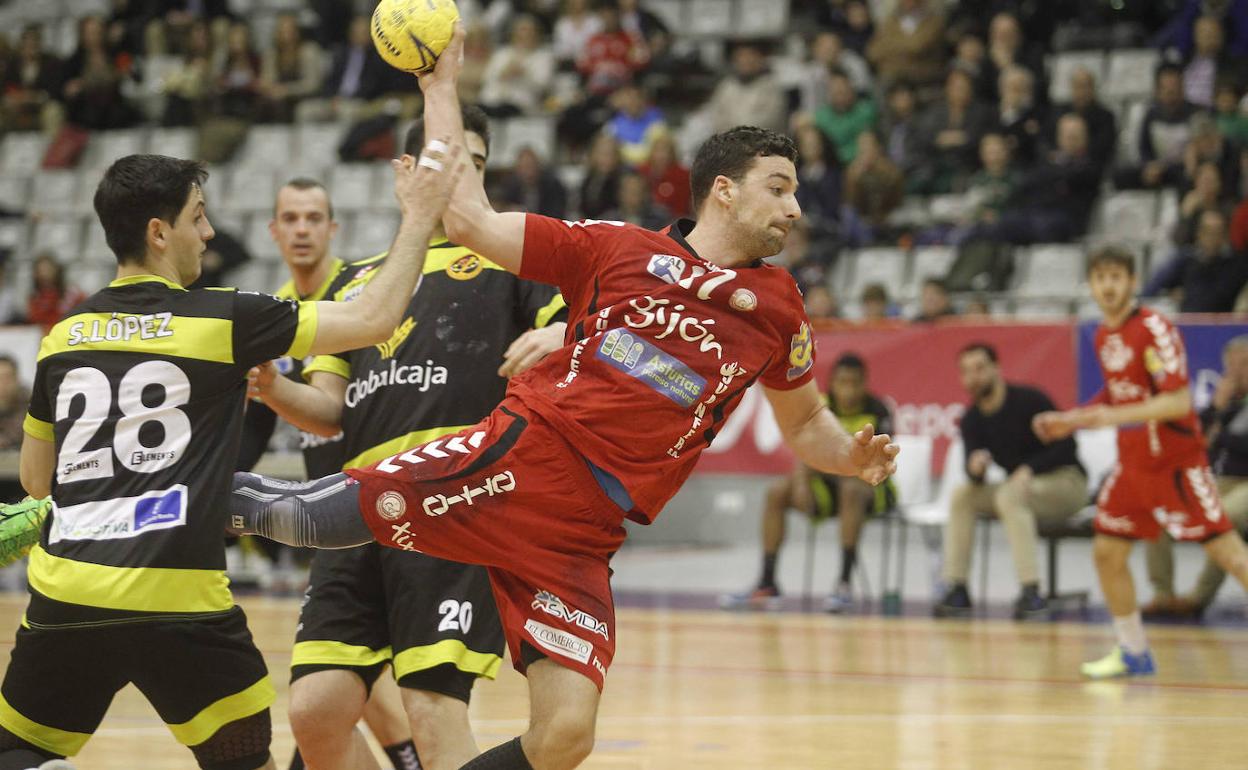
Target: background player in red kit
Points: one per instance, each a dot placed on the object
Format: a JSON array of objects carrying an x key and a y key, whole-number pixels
[
  {"x": 667, "y": 331},
  {"x": 1162, "y": 480}
]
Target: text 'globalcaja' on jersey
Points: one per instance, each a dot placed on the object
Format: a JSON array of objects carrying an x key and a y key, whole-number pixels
[
  {"x": 141, "y": 389},
  {"x": 663, "y": 344},
  {"x": 1143, "y": 357},
  {"x": 438, "y": 372}
]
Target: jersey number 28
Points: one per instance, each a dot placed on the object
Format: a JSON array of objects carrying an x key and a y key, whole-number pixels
[{"x": 78, "y": 464}]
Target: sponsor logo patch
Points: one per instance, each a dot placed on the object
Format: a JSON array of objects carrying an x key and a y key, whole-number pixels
[
  {"x": 553, "y": 605},
  {"x": 801, "y": 353},
  {"x": 743, "y": 300},
  {"x": 499, "y": 483},
  {"x": 559, "y": 642},
  {"x": 465, "y": 268},
  {"x": 664, "y": 373},
  {"x": 120, "y": 518},
  {"x": 1115, "y": 354},
  {"x": 391, "y": 505}
]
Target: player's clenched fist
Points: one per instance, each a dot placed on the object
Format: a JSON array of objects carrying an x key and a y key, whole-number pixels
[{"x": 423, "y": 185}]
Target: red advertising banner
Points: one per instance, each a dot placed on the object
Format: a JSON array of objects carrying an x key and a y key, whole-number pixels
[{"x": 914, "y": 370}]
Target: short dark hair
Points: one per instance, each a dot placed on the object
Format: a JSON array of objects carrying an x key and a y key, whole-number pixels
[
  {"x": 937, "y": 282},
  {"x": 474, "y": 119},
  {"x": 1111, "y": 256},
  {"x": 137, "y": 189},
  {"x": 306, "y": 183},
  {"x": 1166, "y": 68},
  {"x": 980, "y": 347},
  {"x": 851, "y": 361},
  {"x": 731, "y": 153},
  {"x": 874, "y": 291},
  {"x": 5, "y": 358}
]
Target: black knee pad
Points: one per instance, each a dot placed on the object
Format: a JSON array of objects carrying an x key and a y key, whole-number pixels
[{"x": 241, "y": 745}]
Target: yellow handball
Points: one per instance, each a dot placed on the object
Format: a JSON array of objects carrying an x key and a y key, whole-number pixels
[{"x": 411, "y": 34}]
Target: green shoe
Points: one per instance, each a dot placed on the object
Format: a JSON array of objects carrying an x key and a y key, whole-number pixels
[{"x": 20, "y": 525}]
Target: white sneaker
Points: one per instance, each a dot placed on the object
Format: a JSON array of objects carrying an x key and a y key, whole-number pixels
[
  {"x": 839, "y": 601},
  {"x": 56, "y": 764}
]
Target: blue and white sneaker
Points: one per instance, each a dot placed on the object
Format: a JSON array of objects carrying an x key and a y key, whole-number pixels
[{"x": 1120, "y": 663}]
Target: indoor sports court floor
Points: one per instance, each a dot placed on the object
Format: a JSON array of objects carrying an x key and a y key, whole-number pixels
[{"x": 706, "y": 689}]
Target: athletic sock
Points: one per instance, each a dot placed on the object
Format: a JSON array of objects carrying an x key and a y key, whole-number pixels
[
  {"x": 403, "y": 756},
  {"x": 1130, "y": 632},
  {"x": 508, "y": 756},
  {"x": 768, "y": 580},
  {"x": 849, "y": 560},
  {"x": 296, "y": 762}
]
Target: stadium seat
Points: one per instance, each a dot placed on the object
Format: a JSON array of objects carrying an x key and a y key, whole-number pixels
[
  {"x": 21, "y": 153},
  {"x": 60, "y": 235},
  {"x": 874, "y": 265},
  {"x": 107, "y": 146},
  {"x": 318, "y": 147},
  {"x": 61, "y": 190},
  {"x": 1063, "y": 65},
  {"x": 536, "y": 133},
  {"x": 250, "y": 189},
  {"x": 1050, "y": 270},
  {"x": 233, "y": 222},
  {"x": 352, "y": 187},
  {"x": 92, "y": 275},
  {"x": 371, "y": 233},
  {"x": 258, "y": 241},
  {"x": 928, "y": 261},
  {"x": 1042, "y": 308},
  {"x": 1127, "y": 216},
  {"x": 14, "y": 192},
  {"x": 670, "y": 12},
  {"x": 762, "y": 19},
  {"x": 174, "y": 142},
  {"x": 1129, "y": 74},
  {"x": 710, "y": 18},
  {"x": 13, "y": 235},
  {"x": 95, "y": 247},
  {"x": 267, "y": 147},
  {"x": 255, "y": 276},
  {"x": 1129, "y": 135}
]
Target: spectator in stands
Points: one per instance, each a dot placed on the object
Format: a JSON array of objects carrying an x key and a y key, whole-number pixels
[
  {"x": 533, "y": 188},
  {"x": 13, "y": 402},
  {"x": 1232, "y": 121},
  {"x": 1207, "y": 276},
  {"x": 952, "y": 127},
  {"x": 290, "y": 70},
  {"x": 1019, "y": 115},
  {"x": 934, "y": 301},
  {"x": 93, "y": 76},
  {"x": 669, "y": 178},
  {"x": 1045, "y": 482},
  {"x": 1205, "y": 195},
  {"x": 987, "y": 192},
  {"x": 827, "y": 53},
  {"x": 238, "y": 75},
  {"x": 902, "y": 135},
  {"x": 970, "y": 56},
  {"x": 1008, "y": 47},
  {"x": 822, "y": 497},
  {"x": 601, "y": 185},
  {"x": 478, "y": 49},
  {"x": 573, "y": 31},
  {"x": 1225, "y": 421},
  {"x": 819, "y": 182},
  {"x": 636, "y": 205},
  {"x": 851, "y": 19},
  {"x": 876, "y": 306},
  {"x": 10, "y": 305},
  {"x": 820, "y": 303},
  {"x": 910, "y": 44},
  {"x": 1102, "y": 127},
  {"x": 874, "y": 188},
  {"x": 636, "y": 123},
  {"x": 1053, "y": 202},
  {"x": 612, "y": 56},
  {"x": 50, "y": 296},
  {"x": 748, "y": 95},
  {"x": 1208, "y": 63},
  {"x": 845, "y": 116},
  {"x": 1163, "y": 136},
  {"x": 32, "y": 86},
  {"x": 641, "y": 24},
  {"x": 171, "y": 20},
  {"x": 519, "y": 74},
  {"x": 1207, "y": 145},
  {"x": 977, "y": 306},
  {"x": 189, "y": 86},
  {"x": 806, "y": 261},
  {"x": 1178, "y": 36}
]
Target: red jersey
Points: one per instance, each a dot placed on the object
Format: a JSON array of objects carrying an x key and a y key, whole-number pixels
[
  {"x": 661, "y": 346},
  {"x": 1143, "y": 357}
]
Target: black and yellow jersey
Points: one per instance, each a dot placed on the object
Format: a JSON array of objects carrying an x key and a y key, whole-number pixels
[
  {"x": 322, "y": 456},
  {"x": 141, "y": 388},
  {"x": 438, "y": 372}
]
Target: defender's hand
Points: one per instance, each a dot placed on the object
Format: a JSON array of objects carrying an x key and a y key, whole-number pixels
[
  {"x": 260, "y": 379},
  {"x": 531, "y": 347},
  {"x": 423, "y": 186},
  {"x": 873, "y": 456}
]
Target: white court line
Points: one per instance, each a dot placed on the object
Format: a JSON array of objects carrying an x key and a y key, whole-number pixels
[{"x": 1097, "y": 721}]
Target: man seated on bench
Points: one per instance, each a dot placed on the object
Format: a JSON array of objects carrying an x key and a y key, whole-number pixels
[
  {"x": 1225, "y": 422},
  {"x": 1046, "y": 483},
  {"x": 822, "y": 497}
]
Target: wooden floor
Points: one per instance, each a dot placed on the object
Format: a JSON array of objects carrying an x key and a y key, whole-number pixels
[{"x": 710, "y": 690}]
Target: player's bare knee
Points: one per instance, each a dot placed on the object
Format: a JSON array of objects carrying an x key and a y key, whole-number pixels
[
  {"x": 1109, "y": 553},
  {"x": 563, "y": 739},
  {"x": 316, "y": 719}
]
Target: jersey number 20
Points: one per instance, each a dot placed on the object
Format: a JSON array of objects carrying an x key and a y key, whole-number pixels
[{"x": 75, "y": 464}]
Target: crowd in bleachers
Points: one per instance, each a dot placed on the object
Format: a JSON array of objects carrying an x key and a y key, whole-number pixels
[{"x": 969, "y": 145}]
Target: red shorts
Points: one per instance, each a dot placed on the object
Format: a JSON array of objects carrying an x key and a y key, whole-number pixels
[
  {"x": 1142, "y": 503},
  {"x": 511, "y": 494}
]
